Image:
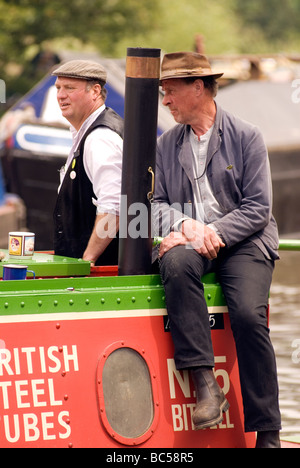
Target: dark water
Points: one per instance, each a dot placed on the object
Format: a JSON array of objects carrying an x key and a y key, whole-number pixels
[{"x": 285, "y": 334}]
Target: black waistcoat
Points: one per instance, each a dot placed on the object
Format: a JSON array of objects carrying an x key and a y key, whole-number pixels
[{"x": 75, "y": 213}]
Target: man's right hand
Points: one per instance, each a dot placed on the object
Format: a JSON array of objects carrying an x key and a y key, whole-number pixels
[
  {"x": 202, "y": 238},
  {"x": 172, "y": 240}
]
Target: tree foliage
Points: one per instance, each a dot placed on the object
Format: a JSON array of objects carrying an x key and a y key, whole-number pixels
[
  {"x": 232, "y": 26},
  {"x": 278, "y": 20},
  {"x": 27, "y": 25},
  {"x": 27, "y": 22}
]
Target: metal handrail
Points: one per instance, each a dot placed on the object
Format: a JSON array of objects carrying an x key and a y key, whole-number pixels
[
  {"x": 289, "y": 244},
  {"x": 284, "y": 244}
]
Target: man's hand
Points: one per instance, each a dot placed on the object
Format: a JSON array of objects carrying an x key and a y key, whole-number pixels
[
  {"x": 172, "y": 240},
  {"x": 202, "y": 238},
  {"x": 196, "y": 235}
]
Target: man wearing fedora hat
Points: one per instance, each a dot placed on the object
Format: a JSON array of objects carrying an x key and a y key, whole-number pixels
[
  {"x": 86, "y": 216},
  {"x": 213, "y": 206}
]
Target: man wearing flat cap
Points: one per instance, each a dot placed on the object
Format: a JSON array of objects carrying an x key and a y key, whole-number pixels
[
  {"x": 86, "y": 216},
  {"x": 213, "y": 206}
]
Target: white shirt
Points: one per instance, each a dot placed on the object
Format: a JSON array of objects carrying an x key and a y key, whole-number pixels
[
  {"x": 102, "y": 158},
  {"x": 207, "y": 208}
]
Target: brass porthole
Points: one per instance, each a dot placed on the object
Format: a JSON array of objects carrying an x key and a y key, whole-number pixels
[{"x": 127, "y": 394}]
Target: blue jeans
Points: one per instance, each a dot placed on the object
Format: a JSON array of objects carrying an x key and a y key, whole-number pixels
[{"x": 245, "y": 276}]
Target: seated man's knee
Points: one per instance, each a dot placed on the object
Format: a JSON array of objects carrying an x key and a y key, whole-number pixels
[{"x": 180, "y": 263}]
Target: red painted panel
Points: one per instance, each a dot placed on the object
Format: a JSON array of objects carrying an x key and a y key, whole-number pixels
[{"x": 48, "y": 385}]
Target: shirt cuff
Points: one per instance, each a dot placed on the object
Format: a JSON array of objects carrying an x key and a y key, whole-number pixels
[
  {"x": 107, "y": 209},
  {"x": 178, "y": 225}
]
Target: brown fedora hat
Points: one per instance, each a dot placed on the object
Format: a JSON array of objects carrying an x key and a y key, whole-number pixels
[{"x": 186, "y": 65}]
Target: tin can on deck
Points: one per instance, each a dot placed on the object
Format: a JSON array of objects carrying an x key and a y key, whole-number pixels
[{"x": 21, "y": 245}]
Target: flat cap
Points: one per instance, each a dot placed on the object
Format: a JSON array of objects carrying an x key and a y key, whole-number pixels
[
  {"x": 186, "y": 65},
  {"x": 82, "y": 70}
]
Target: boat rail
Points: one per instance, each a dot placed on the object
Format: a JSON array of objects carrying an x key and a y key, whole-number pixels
[
  {"x": 284, "y": 244},
  {"x": 289, "y": 245}
]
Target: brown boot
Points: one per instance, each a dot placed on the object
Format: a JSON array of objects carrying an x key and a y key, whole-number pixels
[
  {"x": 268, "y": 439},
  {"x": 211, "y": 401}
]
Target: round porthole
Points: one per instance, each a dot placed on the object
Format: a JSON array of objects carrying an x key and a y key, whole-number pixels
[{"x": 127, "y": 394}]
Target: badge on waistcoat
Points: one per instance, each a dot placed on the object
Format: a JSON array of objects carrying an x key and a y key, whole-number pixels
[{"x": 73, "y": 173}]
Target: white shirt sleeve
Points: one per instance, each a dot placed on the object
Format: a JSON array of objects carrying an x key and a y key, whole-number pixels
[{"x": 103, "y": 152}]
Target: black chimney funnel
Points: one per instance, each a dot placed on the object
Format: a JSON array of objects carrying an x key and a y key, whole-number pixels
[{"x": 140, "y": 135}]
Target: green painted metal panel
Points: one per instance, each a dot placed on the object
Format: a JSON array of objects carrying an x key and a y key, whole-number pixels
[{"x": 69, "y": 295}]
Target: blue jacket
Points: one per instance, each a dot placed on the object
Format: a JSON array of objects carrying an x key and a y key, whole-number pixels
[{"x": 239, "y": 173}]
